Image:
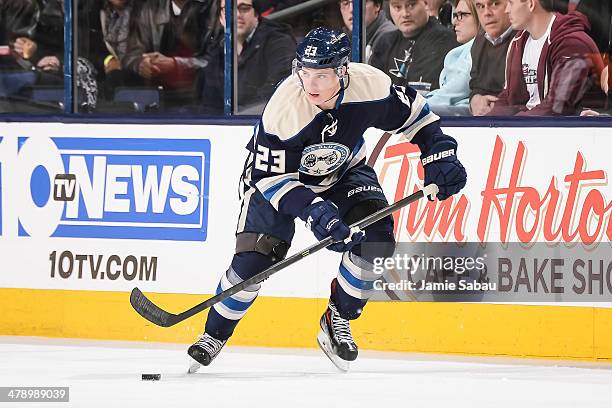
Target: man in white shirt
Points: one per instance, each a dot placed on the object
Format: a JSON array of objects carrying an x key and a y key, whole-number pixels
[{"x": 551, "y": 64}]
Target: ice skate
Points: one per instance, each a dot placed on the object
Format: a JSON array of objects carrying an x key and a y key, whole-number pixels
[
  {"x": 335, "y": 338},
  {"x": 204, "y": 351}
]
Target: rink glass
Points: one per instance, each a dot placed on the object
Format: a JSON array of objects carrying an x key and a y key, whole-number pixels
[
  {"x": 32, "y": 57},
  {"x": 297, "y": 20},
  {"x": 28, "y": 85}
]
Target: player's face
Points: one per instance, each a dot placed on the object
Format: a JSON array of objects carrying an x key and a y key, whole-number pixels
[
  {"x": 320, "y": 85},
  {"x": 246, "y": 18},
  {"x": 409, "y": 15},
  {"x": 464, "y": 22},
  {"x": 519, "y": 13},
  {"x": 493, "y": 17}
]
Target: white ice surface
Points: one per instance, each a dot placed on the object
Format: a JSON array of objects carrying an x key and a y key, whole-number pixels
[{"x": 108, "y": 374}]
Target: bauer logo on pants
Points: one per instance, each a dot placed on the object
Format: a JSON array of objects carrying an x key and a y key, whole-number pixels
[{"x": 112, "y": 188}]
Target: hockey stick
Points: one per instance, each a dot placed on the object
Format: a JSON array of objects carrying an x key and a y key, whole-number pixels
[{"x": 160, "y": 317}]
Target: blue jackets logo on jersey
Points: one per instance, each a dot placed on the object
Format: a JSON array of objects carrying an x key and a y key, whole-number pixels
[
  {"x": 323, "y": 158},
  {"x": 113, "y": 188}
]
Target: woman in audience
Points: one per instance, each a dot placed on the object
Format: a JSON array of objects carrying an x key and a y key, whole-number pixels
[{"x": 452, "y": 98}]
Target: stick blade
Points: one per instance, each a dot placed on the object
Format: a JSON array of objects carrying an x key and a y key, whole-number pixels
[{"x": 150, "y": 310}]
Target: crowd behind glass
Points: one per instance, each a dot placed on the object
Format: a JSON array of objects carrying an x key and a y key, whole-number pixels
[{"x": 467, "y": 57}]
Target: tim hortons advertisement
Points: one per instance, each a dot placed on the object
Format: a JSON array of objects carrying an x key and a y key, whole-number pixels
[{"x": 534, "y": 219}]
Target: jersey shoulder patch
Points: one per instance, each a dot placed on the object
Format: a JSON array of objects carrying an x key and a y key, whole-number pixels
[
  {"x": 367, "y": 83},
  {"x": 288, "y": 111}
]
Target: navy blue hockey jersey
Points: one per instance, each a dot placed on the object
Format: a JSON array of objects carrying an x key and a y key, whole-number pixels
[{"x": 298, "y": 150}]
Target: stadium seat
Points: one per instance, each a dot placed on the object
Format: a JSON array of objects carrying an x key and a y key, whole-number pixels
[
  {"x": 49, "y": 94},
  {"x": 142, "y": 99},
  {"x": 11, "y": 83}
]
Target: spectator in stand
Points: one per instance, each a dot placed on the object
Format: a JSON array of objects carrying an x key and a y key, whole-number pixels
[
  {"x": 115, "y": 20},
  {"x": 453, "y": 96},
  {"x": 375, "y": 21},
  {"x": 552, "y": 61},
  {"x": 46, "y": 47},
  {"x": 167, "y": 45},
  {"x": 265, "y": 51},
  {"x": 414, "y": 54},
  {"x": 42, "y": 48},
  {"x": 489, "y": 55},
  {"x": 17, "y": 25}
]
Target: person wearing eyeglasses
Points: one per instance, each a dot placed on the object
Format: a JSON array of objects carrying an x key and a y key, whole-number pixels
[
  {"x": 265, "y": 50},
  {"x": 414, "y": 54},
  {"x": 453, "y": 96},
  {"x": 375, "y": 21}
]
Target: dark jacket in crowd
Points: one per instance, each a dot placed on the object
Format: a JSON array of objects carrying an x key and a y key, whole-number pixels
[
  {"x": 378, "y": 27},
  {"x": 49, "y": 35},
  {"x": 18, "y": 18},
  {"x": 375, "y": 30},
  {"x": 209, "y": 86},
  {"x": 265, "y": 60},
  {"x": 419, "y": 58},
  {"x": 153, "y": 27},
  {"x": 569, "y": 66}
]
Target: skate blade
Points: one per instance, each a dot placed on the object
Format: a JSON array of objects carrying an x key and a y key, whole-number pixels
[
  {"x": 194, "y": 367},
  {"x": 324, "y": 345}
]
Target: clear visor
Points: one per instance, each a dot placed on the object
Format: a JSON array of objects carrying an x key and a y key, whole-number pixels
[{"x": 298, "y": 69}]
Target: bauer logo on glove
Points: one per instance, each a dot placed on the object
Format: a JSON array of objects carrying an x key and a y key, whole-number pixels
[
  {"x": 438, "y": 156},
  {"x": 323, "y": 220},
  {"x": 441, "y": 165}
]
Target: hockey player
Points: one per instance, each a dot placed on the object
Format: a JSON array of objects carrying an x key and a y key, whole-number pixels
[{"x": 307, "y": 159}]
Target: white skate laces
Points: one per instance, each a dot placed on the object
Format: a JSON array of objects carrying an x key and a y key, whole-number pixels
[
  {"x": 211, "y": 345},
  {"x": 341, "y": 327}
]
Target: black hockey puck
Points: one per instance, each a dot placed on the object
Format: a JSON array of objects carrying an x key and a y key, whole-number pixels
[{"x": 151, "y": 377}]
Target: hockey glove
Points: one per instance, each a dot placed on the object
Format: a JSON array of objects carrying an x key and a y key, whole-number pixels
[
  {"x": 443, "y": 168},
  {"x": 323, "y": 220}
]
